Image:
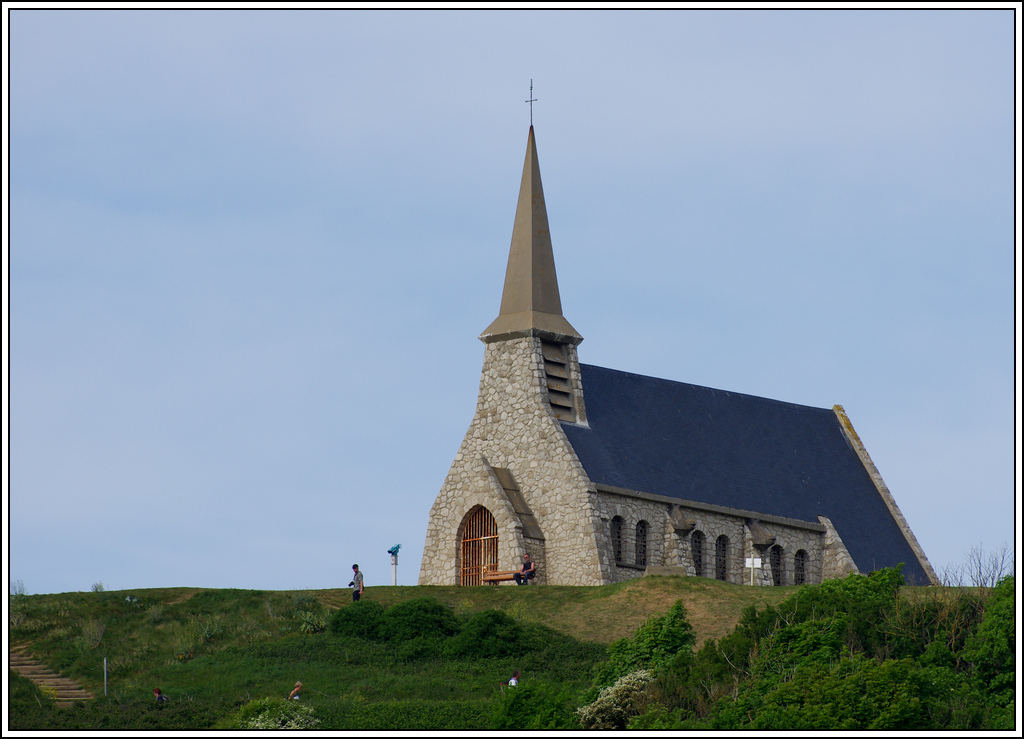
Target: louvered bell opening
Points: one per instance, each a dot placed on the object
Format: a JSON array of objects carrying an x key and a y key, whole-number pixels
[
  {"x": 553, "y": 352},
  {"x": 559, "y": 385},
  {"x": 556, "y": 372},
  {"x": 562, "y": 399}
]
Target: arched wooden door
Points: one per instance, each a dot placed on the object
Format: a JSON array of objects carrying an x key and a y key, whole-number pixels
[{"x": 479, "y": 545}]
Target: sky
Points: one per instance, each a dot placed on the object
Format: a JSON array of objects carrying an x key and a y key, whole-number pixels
[{"x": 249, "y": 255}]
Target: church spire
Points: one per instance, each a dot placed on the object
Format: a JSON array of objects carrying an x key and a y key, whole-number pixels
[{"x": 530, "y": 305}]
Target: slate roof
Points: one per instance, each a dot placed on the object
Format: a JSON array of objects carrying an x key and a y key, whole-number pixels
[{"x": 741, "y": 451}]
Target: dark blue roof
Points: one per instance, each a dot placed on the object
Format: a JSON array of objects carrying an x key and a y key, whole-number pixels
[{"x": 741, "y": 451}]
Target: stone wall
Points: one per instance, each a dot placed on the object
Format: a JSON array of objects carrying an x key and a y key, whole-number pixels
[
  {"x": 667, "y": 548},
  {"x": 836, "y": 559},
  {"x": 514, "y": 428}
]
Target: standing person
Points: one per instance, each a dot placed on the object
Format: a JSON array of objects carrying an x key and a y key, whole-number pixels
[
  {"x": 357, "y": 582},
  {"x": 528, "y": 571},
  {"x": 296, "y": 691}
]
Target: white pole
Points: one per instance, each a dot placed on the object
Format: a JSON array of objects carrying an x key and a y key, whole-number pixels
[{"x": 394, "y": 569}]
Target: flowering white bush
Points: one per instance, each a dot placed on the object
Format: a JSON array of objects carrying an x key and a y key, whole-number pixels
[
  {"x": 616, "y": 704},
  {"x": 277, "y": 713}
]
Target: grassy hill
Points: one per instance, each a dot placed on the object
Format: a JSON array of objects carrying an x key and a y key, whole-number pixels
[
  {"x": 856, "y": 653},
  {"x": 216, "y": 649}
]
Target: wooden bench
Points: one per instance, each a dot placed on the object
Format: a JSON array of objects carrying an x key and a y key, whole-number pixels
[{"x": 493, "y": 577}]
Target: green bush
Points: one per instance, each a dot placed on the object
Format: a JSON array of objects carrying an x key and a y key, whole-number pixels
[
  {"x": 30, "y": 709},
  {"x": 855, "y": 693},
  {"x": 536, "y": 707},
  {"x": 992, "y": 649},
  {"x": 488, "y": 635},
  {"x": 273, "y": 713},
  {"x": 819, "y": 662},
  {"x": 364, "y": 619},
  {"x": 659, "y": 642},
  {"x": 864, "y": 600},
  {"x": 311, "y": 622},
  {"x": 420, "y": 617}
]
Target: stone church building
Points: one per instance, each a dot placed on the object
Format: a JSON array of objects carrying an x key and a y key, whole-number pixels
[{"x": 603, "y": 475}]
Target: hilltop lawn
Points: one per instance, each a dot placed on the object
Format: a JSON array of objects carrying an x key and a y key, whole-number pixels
[{"x": 213, "y": 651}]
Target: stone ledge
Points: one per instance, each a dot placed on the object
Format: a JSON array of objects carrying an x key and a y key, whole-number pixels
[{"x": 666, "y": 571}]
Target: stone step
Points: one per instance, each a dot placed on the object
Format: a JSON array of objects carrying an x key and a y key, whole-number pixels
[
  {"x": 27, "y": 670},
  {"x": 67, "y": 691},
  {"x": 30, "y": 674}
]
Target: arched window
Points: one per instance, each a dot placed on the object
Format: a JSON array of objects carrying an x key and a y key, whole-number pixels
[
  {"x": 721, "y": 557},
  {"x": 479, "y": 545},
  {"x": 775, "y": 560},
  {"x": 800, "y": 567},
  {"x": 641, "y": 544},
  {"x": 697, "y": 551},
  {"x": 617, "y": 538}
]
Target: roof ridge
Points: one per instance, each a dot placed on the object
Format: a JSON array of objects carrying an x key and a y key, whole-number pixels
[{"x": 707, "y": 387}]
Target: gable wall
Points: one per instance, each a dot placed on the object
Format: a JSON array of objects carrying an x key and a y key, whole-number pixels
[{"x": 515, "y": 428}]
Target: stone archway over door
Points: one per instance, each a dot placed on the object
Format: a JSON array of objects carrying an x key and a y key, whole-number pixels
[{"x": 478, "y": 547}]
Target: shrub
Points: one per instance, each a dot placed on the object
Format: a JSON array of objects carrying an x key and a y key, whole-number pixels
[
  {"x": 617, "y": 704},
  {"x": 364, "y": 619},
  {"x": 992, "y": 649},
  {"x": 660, "y": 641},
  {"x": 863, "y": 599},
  {"x": 854, "y": 693},
  {"x": 420, "y": 617},
  {"x": 536, "y": 707},
  {"x": 312, "y": 623},
  {"x": 488, "y": 635},
  {"x": 274, "y": 713}
]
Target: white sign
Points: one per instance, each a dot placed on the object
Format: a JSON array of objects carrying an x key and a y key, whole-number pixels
[{"x": 752, "y": 562}]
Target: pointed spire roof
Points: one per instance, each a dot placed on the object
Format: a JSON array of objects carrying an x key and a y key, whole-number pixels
[{"x": 530, "y": 305}]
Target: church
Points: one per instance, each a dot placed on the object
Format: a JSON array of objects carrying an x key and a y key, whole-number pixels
[{"x": 602, "y": 475}]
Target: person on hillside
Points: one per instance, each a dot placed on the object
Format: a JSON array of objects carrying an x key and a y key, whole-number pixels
[
  {"x": 528, "y": 571},
  {"x": 512, "y": 681},
  {"x": 296, "y": 691},
  {"x": 160, "y": 697},
  {"x": 357, "y": 583}
]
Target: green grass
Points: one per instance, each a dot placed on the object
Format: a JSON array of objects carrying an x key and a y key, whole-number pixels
[{"x": 212, "y": 651}]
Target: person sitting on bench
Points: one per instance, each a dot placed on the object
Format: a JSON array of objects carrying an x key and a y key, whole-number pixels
[{"x": 528, "y": 571}]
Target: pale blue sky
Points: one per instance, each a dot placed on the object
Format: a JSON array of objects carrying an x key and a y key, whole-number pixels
[{"x": 251, "y": 253}]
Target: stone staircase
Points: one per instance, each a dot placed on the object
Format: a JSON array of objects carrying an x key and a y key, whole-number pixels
[{"x": 68, "y": 691}]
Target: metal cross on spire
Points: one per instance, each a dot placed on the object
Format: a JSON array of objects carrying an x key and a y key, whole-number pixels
[{"x": 531, "y": 101}]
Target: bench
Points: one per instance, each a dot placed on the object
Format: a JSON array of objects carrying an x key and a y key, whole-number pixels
[{"x": 493, "y": 577}]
